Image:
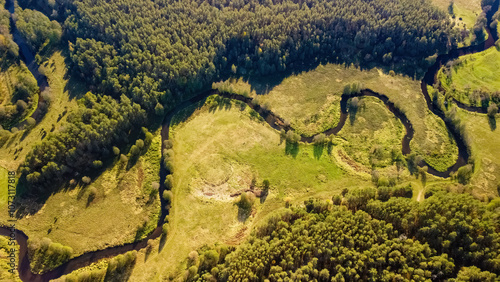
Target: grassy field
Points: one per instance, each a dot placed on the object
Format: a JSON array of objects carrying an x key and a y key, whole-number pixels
[
  {"x": 486, "y": 150},
  {"x": 480, "y": 71},
  {"x": 308, "y": 99},
  {"x": 217, "y": 154},
  {"x": 372, "y": 134}
]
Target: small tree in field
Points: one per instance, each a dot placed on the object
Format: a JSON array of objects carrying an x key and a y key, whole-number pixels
[
  {"x": 86, "y": 180},
  {"x": 492, "y": 110}
]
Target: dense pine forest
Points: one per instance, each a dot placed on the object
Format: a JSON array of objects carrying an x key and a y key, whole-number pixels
[{"x": 157, "y": 53}]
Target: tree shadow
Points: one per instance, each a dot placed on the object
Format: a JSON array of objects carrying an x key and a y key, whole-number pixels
[
  {"x": 291, "y": 148},
  {"x": 243, "y": 214},
  {"x": 318, "y": 150},
  {"x": 493, "y": 123},
  {"x": 161, "y": 245},
  {"x": 263, "y": 196},
  {"x": 352, "y": 114}
]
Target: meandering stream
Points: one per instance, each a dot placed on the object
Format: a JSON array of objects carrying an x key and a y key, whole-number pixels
[{"x": 272, "y": 119}]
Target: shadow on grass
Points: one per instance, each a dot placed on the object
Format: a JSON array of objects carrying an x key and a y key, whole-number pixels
[
  {"x": 163, "y": 240},
  {"x": 291, "y": 148},
  {"x": 318, "y": 150},
  {"x": 493, "y": 123}
]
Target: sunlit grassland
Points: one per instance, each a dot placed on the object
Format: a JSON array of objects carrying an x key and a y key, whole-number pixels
[
  {"x": 217, "y": 153},
  {"x": 310, "y": 101},
  {"x": 480, "y": 71},
  {"x": 5, "y": 250},
  {"x": 372, "y": 128}
]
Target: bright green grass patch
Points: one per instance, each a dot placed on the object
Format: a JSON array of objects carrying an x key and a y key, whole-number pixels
[
  {"x": 373, "y": 134},
  {"x": 299, "y": 98},
  {"x": 480, "y": 71},
  {"x": 5, "y": 249}
]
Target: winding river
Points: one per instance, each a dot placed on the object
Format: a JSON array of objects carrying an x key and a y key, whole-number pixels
[{"x": 272, "y": 119}]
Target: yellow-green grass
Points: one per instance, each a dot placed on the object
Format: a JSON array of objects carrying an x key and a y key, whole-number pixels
[
  {"x": 300, "y": 98},
  {"x": 373, "y": 127},
  {"x": 485, "y": 146},
  {"x": 64, "y": 93},
  {"x": 4, "y": 177},
  {"x": 121, "y": 212},
  {"x": 217, "y": 153},
  {"x": 5, "y": 250},
  {"x": 480, "y": 71}
]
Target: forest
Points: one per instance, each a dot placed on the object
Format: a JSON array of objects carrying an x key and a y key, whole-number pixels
[
  {"x": 362, "y": 236},
  {"x": 157, "y": 53}
]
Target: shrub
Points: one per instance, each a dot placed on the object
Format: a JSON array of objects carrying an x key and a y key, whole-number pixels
[
  {"x": 319, "y": 139},
  {"x": 167, "y": 144},
  {"x": 492, "y": 110},
  {"x": 97, "y": 164},
  {"x": 123, "y": 158},
  {"x": 337, "y": 200},
  {"x": 167, "y": 196},
  {"x": 116, "y": 151},
  {"x": 464, "y": 174},
  {"x": 246, "y": 201},
  {"x": 86, "y": 180},
  {"x": 169, "y": 180},
  {"x": 92, "y": 194},
  {"x": 292, "y": 137},
  {"x": 159, "y": 109}
]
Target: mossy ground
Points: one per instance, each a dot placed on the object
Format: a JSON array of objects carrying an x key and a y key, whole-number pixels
[
  {"x": 308, "y": 99},
  {"x": 480, "y": 71}
]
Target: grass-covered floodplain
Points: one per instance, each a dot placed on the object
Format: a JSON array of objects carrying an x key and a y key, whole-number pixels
[
  {"x": 310, "y": 101},
  {"x": 471, "y": 73}
]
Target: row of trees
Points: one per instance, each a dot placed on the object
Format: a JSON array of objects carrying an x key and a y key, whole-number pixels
[
  {"x": 8, "y": 48},
  {"x": 118, "y": 269}
]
